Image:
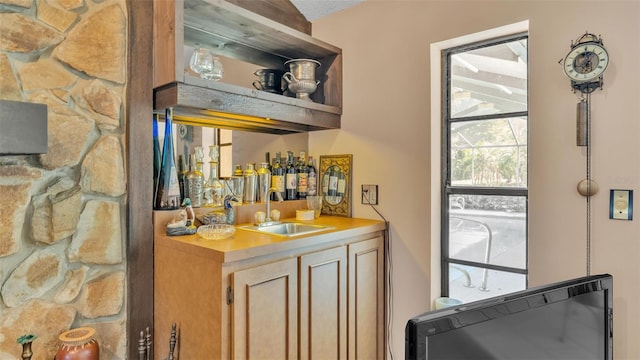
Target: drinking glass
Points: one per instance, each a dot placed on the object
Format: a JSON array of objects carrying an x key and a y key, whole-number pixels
[
  {"x": 315, "y": 203},
  {"x": 235, "y": 186},
  {"x": 202, "y": 62},
  {"x": 218, "y": 69}
]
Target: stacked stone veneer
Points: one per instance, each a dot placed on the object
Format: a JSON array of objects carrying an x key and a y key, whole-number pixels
[{"x": 62, "y": 214}]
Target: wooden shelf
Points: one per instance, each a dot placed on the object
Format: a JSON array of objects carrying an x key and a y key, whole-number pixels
[
  {"x": 205, "y": 103},
  {"x": 235, "y": 32}
]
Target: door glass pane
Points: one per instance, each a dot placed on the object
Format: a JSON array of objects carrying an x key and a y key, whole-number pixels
[
  {"x": 488, "y": 229},
  {"x": 468, "y": 283},
  {"x": 489, "y": 80},
  {"x": 489, "y": 153}
]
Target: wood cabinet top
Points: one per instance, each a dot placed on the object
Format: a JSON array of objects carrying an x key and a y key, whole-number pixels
[{"x": 248, "y": 244}]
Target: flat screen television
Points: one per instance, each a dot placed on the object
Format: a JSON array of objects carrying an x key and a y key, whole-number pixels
[{"x": 569, "y": 320}]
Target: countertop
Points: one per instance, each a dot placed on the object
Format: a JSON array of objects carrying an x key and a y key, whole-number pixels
[{"x": 246, "y": 244}]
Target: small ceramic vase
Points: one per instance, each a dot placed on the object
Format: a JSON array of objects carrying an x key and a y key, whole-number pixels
[
  {"x": 25, "y": 341},
  {"x": 78, "y": 344}
]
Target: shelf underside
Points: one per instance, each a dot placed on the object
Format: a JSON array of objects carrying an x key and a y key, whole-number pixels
[
  {"x": 233, "y": 107},
  {"x": 241, "y": 34}
]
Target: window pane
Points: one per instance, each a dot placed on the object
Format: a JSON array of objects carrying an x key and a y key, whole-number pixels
[
  {"x": 488, "y": 229},
  {"x": 468, "y": 283},
  {"x": 489, "y": 153},
  {"x": 489, "y": 80},
  {"x": 485, "y": 144}
]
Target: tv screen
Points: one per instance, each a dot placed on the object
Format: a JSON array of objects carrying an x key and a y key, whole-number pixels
[{"x": 569, "y": 320}]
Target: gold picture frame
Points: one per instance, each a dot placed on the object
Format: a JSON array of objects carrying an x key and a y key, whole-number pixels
[{"x": 335, "y": 186}]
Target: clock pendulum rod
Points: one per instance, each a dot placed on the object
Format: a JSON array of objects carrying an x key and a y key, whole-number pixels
[
  {"x": 589, "y": 184},
  {"x": 586, "y": 187}
]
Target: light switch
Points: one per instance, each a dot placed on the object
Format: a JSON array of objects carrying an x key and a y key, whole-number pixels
[{"x": 621, "y": 204}]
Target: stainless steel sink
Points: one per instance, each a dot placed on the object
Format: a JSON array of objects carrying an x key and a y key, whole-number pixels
[{"x": 287, "y": 228}]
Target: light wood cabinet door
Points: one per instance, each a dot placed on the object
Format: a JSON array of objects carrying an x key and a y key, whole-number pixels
[
  {"x": 366, "y": 299},
  {"x": 265, "y": 311},
  {"x": 323, "y": 304}
]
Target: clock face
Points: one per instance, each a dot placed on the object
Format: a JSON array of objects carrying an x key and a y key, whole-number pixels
[{"x": 586, "y": 62}]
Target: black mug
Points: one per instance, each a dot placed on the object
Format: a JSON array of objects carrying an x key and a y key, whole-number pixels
[{"x": 269, "y": 80}]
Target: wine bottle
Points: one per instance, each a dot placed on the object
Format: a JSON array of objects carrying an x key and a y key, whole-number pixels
[
  {"x": 167, "y": 195},
  {"x": 291, "y": 186},
  {"x": 312, "y": 179},
  {"x": 157, "y": 156},
  {"x": 277, "y": 177},
  {"x": 267, "y": 159},
  {"x": 302, "y": 176},
  {"x": 195, "y": 183}
]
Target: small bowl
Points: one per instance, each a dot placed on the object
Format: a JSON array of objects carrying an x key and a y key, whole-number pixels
[{"x": 216, "y": 231}]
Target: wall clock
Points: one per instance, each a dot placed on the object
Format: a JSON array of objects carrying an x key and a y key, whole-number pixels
[{"x": 585, "y": 63}]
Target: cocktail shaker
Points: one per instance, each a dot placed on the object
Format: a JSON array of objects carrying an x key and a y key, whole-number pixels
[
  {"x": 250, "y": 184},
  {"x": 264, "y": 181}
]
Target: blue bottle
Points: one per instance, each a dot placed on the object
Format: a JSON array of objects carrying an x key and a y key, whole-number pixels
[
  {"x": 157, "y": 156},
  {"x": 167, "y": 196}
]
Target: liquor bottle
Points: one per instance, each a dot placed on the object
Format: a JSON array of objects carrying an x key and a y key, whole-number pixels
[
  {"x": 199, "y": 164},
  {"x": 195, "y": 183},
  {"x": 213, "y": 188},
  {"x": 157, "y": 156},
  {"x": 167, "y": 195},
  {"x": 250, "y": 184},
  {"x": 277, "y": 177},
  {"x": 264, "y": 181},
  {"x": 312, "y": 179},
  {"x": 302, "y": 176},
  {"x": 290, "y": 177}
]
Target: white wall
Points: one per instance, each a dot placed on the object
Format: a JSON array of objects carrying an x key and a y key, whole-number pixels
[{"x": 386, "y": 126}]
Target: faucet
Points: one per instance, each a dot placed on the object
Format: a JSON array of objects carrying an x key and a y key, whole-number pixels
[{"x": 268, "y": 220}]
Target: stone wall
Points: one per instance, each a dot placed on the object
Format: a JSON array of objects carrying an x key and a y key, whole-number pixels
[{"x": 62, "y": 214}]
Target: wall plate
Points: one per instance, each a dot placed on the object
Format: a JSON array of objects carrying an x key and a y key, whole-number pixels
[
  {"x": 621, "y": 204},
  {"x": 370, "y": 194}
]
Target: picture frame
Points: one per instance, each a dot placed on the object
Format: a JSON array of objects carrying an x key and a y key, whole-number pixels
[{"x": 335, "y": 185}]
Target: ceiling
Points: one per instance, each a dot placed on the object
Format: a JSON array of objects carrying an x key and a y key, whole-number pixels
[{"x": 315, "y": 9}]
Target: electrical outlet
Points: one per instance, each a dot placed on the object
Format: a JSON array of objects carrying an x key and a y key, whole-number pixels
[{"x": 370, "y": 194}]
